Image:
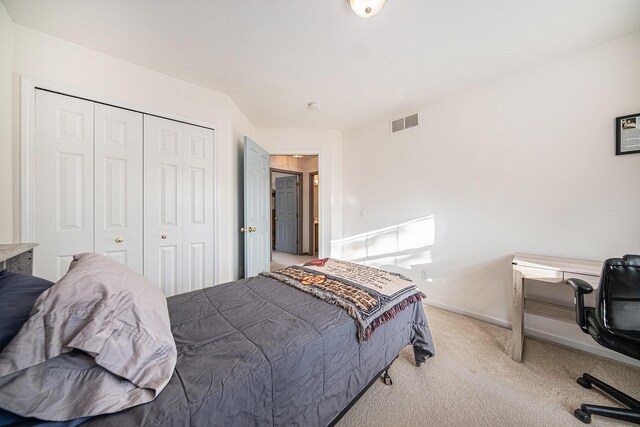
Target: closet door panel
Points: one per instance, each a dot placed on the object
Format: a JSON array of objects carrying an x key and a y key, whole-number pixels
[
  {"x": 163, "y": 206},
  {"x": 198, "y": 207},
  {"x": 63, "y": 182},
  {"x": 118, "y": 185}
]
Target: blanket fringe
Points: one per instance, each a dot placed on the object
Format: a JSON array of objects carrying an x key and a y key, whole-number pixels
[{"x": 366, "y": 333}]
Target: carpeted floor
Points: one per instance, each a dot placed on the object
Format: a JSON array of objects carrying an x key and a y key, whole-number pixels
[
  {"x": 472, "y": 382},
  {"x": 281, "y": 260}
]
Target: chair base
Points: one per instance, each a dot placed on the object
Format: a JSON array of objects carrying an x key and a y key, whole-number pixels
[{"x": 631, "y": 415}]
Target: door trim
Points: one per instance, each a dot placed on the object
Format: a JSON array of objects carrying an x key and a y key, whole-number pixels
[
  {"x": 28, "y": 86},
  {"x": 312, "y": 241},
  {"x": 300, "y": 175}
]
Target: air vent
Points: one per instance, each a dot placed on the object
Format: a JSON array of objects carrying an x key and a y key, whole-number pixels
[
  {"x": 411, "y": 121},
  {"x": 407, "y": 122},
  {"x": 397, "y": 125}
]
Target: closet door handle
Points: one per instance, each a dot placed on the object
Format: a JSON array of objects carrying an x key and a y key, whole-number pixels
[
  {"x": 163, "y": 236},
  {"x": 119, "y": 240}
]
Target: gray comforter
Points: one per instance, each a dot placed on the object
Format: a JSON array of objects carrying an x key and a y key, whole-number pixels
[{"x": 258, "y": 352}]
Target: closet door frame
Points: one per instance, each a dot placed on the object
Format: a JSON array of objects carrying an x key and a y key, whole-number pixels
[{"x": 28, "y": 87}]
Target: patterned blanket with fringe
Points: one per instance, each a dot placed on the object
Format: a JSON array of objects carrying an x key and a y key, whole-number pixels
[{"x": 369, "y": 295}]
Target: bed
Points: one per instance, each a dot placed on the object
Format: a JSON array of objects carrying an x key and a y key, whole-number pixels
[{"x": 259, "y": 352}]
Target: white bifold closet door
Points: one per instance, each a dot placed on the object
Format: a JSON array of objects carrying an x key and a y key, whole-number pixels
[
  {"x": 118, "y": 185},
  {"x": 178, "y": 199},
  {"x": 88, "y": 183},
  {"x": 63, "y": 182},
  {"x": 133, "y": 187}
]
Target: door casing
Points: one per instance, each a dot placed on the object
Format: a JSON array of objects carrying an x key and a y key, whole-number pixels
[{"x": 312, "y": 242}]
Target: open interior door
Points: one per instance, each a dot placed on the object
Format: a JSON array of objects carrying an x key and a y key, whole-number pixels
[{"x": 256, "y": 227}]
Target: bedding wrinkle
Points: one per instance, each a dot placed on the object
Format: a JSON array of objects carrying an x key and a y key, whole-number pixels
[
  {"x": 184, "y": 391},
  {"x": 295, "y": 365},
  {"x": 261, "y": 352}
]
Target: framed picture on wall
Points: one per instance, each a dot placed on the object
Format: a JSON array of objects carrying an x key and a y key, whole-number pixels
[{"x": 628, "y": 134}]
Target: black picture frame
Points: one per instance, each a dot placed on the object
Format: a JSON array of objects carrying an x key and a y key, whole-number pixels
[{"x": 627, "y": 133}]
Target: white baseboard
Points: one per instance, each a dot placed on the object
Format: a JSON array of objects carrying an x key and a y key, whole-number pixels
[
  {"x": 536, "y": 333},
  {"x": 599, "y": 350},
  {"x": 477, "y": 316}
]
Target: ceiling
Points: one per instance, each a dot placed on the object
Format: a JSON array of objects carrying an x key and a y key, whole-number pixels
[{"x": 273, "y": 57}]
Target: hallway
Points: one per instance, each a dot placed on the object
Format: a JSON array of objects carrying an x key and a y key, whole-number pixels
[{"x": 281, "y": 260}]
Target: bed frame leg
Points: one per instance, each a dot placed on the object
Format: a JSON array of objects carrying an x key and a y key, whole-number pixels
[{"x": 386, "y": 377}]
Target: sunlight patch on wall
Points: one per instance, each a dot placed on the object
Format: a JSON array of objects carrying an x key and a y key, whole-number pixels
[{"x": 403, "y": 245}]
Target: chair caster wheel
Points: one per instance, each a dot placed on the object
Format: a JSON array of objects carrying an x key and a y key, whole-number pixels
[
  {"x": 583, "y": 382},
  {"x": 582, "y": 416}
]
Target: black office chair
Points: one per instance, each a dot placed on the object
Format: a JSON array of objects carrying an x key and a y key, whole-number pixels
[{"x": 614, "y": 323}]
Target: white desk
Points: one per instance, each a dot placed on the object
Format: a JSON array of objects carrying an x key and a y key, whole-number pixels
[{"x": 550, "y": 270}]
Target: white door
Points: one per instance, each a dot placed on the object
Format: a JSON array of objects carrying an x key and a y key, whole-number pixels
[
  {"x": 197, "y": 202},
  {"x": 256, "y": 226},
  {"x": 118, "y": 185},
  {"x": 63, "y": 182},
  {"x": 163, "y": 203}
]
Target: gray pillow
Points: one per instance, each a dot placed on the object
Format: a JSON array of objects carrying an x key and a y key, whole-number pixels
[{"x": 98, "y": 341}]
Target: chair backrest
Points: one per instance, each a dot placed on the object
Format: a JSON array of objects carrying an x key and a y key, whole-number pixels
[{"x": 618, "y": 296}]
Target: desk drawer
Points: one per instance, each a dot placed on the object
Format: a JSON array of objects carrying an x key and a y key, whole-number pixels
[
  {"x": 553, "y": 276},
  {"x": 592, "y": 280}
]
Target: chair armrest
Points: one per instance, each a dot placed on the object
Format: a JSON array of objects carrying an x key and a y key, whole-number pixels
[{"x": 580, "y": 287}]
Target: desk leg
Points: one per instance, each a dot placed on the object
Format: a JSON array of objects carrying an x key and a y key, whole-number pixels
[{"x": 517, "y": 328}]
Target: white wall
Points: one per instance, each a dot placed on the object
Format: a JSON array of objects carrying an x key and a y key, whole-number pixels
[
  {"x": 327, "y": 144},
  {"x": 52, "y": 59},
  {"x": 522, "y": 164},
  {"x": 6, "y": 134}
]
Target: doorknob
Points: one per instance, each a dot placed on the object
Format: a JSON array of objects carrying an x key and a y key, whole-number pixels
[
  {"x": 119, "y": 240},
  {"x": 252, "y": 229},
  {"x": 163, "y": 236},
  {"x": 244, "y": 230}
]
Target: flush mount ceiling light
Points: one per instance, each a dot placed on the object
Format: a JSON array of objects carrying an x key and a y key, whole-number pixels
[
  {"x": 313, "y": 106},
  {"x": 366, "y": 8}
]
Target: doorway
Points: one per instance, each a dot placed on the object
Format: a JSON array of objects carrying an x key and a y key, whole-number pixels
[{"x": 294, "y": 209}]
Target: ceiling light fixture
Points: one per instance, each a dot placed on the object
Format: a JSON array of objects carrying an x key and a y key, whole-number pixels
[
  {"x": 313, "y": 106},
  {"x": 366, "y": 8}
]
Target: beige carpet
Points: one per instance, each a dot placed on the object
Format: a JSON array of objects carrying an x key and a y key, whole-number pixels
[
  {"x": 472, "y": 382},
  {"x": 281, "y": 260}
]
